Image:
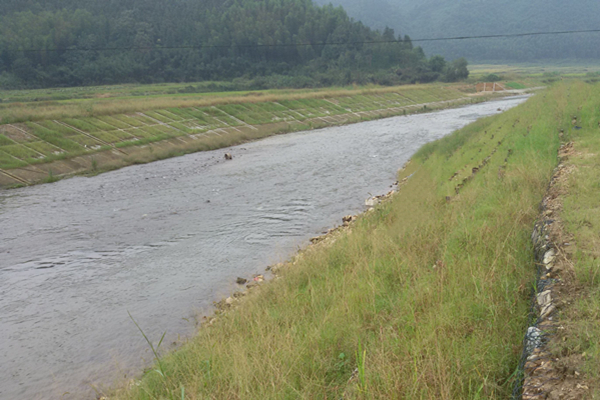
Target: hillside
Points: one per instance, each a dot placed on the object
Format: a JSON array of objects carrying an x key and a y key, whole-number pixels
[
  {"x": 90, "y": 42},
  {"x": 437, "y": 18}
]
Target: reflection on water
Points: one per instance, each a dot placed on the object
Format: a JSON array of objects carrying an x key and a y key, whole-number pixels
[{"x": 163, "y": 240}]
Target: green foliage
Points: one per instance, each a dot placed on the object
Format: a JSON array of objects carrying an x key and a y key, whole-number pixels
[
  {"x": 515, "y": 85},
  {"x": 491, "y": 78},
  {"x": 437, "y": 64},
  {"x": 222, "y": 38},
  {"x": 456, "y": 70},
  {"x": 7, "y": 161}
]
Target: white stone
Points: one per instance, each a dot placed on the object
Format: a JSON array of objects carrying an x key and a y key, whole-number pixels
[
  {"x": 549, "y": 257},
  {"x": 547, "y": 310},
  {"x": 544, "y": 298},
  {"x": 372, "y": 202}
]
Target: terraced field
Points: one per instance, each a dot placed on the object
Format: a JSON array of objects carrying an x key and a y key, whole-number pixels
[{"x": 39, "y": 142}]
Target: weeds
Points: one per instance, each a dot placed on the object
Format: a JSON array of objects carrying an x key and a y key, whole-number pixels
[
  {"x": 361, "y": 360},
  {"x": 51, "y": 177},
  {"x": 160, "y": 370},
  {"x": 433, "y": 283},
  {"x": 581, "y": 218}
]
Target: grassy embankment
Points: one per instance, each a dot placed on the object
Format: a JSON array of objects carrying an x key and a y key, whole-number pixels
[
  {"x": 79, "y": 135},
  {"x": 426, "y": 297},
  {"x": 580, "y": 215}
]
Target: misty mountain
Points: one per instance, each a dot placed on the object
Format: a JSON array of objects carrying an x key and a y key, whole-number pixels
[{"x": 450, "y": 18}]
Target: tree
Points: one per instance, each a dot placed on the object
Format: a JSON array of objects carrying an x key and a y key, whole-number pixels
[
  {"x": 223, "y": 40},
  {"x": 456, "y": 70},
  {"x": 437, "y": 64}
]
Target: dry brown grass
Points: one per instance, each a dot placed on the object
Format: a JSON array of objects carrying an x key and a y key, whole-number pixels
[{"x": 34, "y": 111}]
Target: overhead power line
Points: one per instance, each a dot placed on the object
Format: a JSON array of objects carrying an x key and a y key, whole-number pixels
[
  {"x": 513, "y": 35},
  {"x": 508, "y": 35}
]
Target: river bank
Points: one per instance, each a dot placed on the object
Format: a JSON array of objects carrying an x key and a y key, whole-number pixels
[
  {"x": 37, "y": 150},
  {"x": 165, "y": 239},
  {"x": 426, "y": 296}
]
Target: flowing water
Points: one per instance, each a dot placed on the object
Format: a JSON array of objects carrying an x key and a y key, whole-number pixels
[{"x": 162, "y": 241}]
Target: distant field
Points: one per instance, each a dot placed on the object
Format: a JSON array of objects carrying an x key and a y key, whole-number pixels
[
  {"x": 533, "y": 72},
  {"x": 38, "y": 133}
]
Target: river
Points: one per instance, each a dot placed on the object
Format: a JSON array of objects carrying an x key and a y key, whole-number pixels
[{"x": 162, "y": 241}]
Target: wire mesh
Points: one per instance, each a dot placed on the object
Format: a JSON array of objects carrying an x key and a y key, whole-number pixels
[{"x": 529, "y": 376}]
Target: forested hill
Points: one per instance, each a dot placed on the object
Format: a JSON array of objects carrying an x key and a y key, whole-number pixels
[
  {"x": 47, "y": 43},
  {"x": 444, "y": 18}
]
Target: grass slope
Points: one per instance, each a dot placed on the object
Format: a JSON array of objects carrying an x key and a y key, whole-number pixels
[
  {"x": 38, "y": 135},
  {"x": 426, "y": 297},
  {"x": 580, "y": 332}
]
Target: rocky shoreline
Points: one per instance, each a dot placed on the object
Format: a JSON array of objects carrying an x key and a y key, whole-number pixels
[{"x": 273, "y": 271}]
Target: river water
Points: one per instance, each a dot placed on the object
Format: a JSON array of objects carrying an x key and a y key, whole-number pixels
[{"x": 162, "y": 241}]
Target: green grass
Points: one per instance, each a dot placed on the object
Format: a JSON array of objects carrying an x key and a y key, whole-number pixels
[
  {"x": 142, "y": 118},
  {"x": 427, "y": 296},
  {"x": 82, "y": 125},
  {"x": 4, "y": 141},
  {"x": 62, "y": 131},
  {"x": 515, "y": 85},
  {"x": 44, "y": 148},
  {"x": 84, "y": 140},
  {"x": 108, "y": 137},
  {"x": 168, "y": 115},
  {"x": 21, "y": 152},
  {"x": 180, "y": 129},
  {"x": 581, "y": 217},
  {"x": 121, "y": 135},
  {"x": 221, "y": 115},
  {"x": 55, "y": 138},
  {"x": 99, "y": 93},
  {"x": 119, "y": 122},
  {"x": 8, "y": 162},
  {"x": 59, "y": 128},
  {"x": 156, "y": 130},
  {"x": 141, "y": 133}
]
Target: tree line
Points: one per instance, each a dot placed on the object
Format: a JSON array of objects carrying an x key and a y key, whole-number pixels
[{"x": 91, "y": 42}]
